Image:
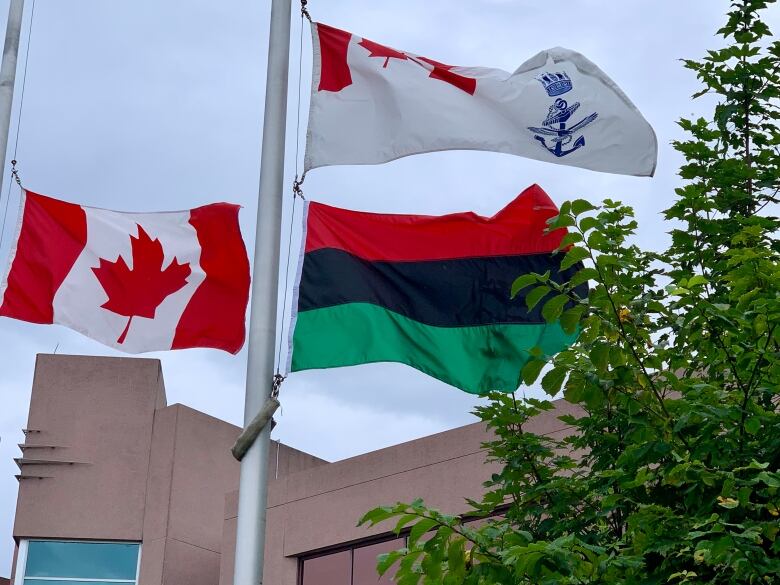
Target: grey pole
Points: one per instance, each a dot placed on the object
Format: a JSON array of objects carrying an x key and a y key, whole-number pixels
[
  {"x": 250, "y": 530},
  {"x": 8, "y": 76}
]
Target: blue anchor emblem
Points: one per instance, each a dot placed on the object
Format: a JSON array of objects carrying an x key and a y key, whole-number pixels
[{"x": 554, "y": 125}]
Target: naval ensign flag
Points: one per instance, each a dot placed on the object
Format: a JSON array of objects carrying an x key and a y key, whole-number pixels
[
  {"x": 372, "y": 104},
  {"x": 134, "y": 281}
]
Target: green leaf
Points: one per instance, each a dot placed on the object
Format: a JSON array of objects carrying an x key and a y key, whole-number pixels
[
  {"x": 616, "y": 356},
  {"x": 753, "y": 425},
  {"x": 770, "y": 479},
  {"x": 456, "y": 558},
  {"x": 522, "y": 282},
  {"x": 423, "y": 526},
  {"x": 599, "y": 355},
  {"x": 376, "y": 515},
  {"x": 697, "y": 280},
  {"x": 598, "y": 240},
  {"x": 387, "y": 560},
  {"x": 562, "y": 220},
  {"x": 573, "y": 256},
  {"x": 760, "y": 324},
  {"x": 604, "y": 260},
  {"x": 570, "y": 319},
  {"x": 588, "y": 223},
  {"x": 569, "y": 239},
  {"x": 553, "y": 308},
  {"x": 583, "y": 275},
  {"x": 403, "y": 521},
  {"x": 408, "y": 573},
  {"x": 591, "y": 329},
  {"x": 553, "y": 380},
  {"x": 531, "y": 371},
  {"x": 532, "y": 298},
  {"x": 543, "y": 278},
  {"x": 580, "y": 206}
]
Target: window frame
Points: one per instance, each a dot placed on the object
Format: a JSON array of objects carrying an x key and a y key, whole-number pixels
[
  {"x": 349, "y": 546},
  {"x": 21, "y": 562}
]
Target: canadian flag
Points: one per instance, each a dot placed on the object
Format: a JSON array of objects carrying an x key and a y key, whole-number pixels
[
  {"x": 372, "y": 104},
  {"x": 134, "y": 281}
]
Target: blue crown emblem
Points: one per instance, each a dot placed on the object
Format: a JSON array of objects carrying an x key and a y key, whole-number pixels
[{"x": 555, "y": 83}]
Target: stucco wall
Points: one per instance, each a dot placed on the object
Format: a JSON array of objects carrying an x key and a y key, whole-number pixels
[
  {"x": 98, "y": 414},
  {"x": 124, "y": 466},
  {"x": 190, "y": 465},
  {"x": 319, "y": 508},
  {"x": 137, "y": 470}
]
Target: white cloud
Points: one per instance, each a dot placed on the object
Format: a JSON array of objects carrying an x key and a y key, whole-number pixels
[{"x": 356, "y": 426}]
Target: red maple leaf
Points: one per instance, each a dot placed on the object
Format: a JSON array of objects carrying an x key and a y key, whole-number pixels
[
  {"x": 440, "y": 70},
  {"x": 445, "y": 73},
  {"x": 137, "y": 292},
  {"x": 378, "y": 50}
]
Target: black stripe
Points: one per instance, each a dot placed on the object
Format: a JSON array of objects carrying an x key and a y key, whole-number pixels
[{"x": 445, "y": 293}]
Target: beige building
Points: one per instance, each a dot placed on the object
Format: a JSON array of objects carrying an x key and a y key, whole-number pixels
[{"x": 118, "y": 487}]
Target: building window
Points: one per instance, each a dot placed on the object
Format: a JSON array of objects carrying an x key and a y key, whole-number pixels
[
  {"x": 332, "y": 569},
  {"x": 356, "y": 564},
  {"x": 57, "y": 562},
  {"x": 364, "y": 562},
  {"x": 353, "y": 566}
]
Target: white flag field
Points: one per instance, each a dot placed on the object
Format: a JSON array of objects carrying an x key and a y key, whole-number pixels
[{"x": 371, "y": 104}]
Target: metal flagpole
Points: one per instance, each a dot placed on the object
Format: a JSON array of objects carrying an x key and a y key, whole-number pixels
[
  {"x": 8, "y": 76},
  {"x": 250, "y": 531}
]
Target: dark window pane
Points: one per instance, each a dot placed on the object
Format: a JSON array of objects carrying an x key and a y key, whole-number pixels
[
  {"x": 364, "y": 564},
  {"x": 331, "y": 569},
  {"x": 82, "y": 560}
]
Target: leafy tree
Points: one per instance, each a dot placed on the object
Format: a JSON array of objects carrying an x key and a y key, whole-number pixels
[{"x": 671, "y": 472}]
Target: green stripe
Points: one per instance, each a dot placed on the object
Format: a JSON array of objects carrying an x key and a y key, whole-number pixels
[{"x": 475, "y": 359}]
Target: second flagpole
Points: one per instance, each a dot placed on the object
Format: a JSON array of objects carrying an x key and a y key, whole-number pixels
[
  {"x": 8, "y": 76},
  {"x": 253, "y": 486}
]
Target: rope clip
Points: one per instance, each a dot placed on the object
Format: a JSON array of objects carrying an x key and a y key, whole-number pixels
[
  {"x": 304, "y": 11},
  {"x": 15, "y": 174},
  {"x": 297, "y": 184},
  {"x": 277, "y": 384}
]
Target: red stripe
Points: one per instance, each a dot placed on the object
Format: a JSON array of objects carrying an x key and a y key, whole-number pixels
[
  {"x": 516, "y": 229},
  {"x": 215, "y": 315},
  {"x": 334, "y": 69},
  {"x": 52, "y": 237}
]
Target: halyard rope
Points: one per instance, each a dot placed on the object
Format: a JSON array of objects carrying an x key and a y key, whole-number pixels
[
  {"x": 14, "y": 174},
  {"x": 297, "y": 193}
]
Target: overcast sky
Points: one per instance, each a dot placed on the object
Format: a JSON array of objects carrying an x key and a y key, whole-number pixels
[{"x": 151, "y": 105}]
